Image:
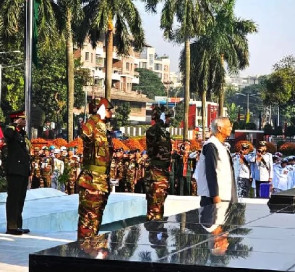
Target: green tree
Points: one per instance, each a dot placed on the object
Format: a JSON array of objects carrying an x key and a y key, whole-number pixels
[
  {"x": 122, "y": 115},
  {"x": 149, "y": 84},
  {"x": 50, "y": 84},
  {"x": 53, "y": 15},
  {"x": 225, "y": 40},
  {"x": 179, "y": 111},
  {"x": 192, "y": 16},
  {"x": 105, "y": 18}
]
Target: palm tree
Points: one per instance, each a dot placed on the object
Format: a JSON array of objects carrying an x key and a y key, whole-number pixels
[
  {"x": 69, "y": 14},
  {"x": 225, "y": 40},
  {"x": 53, "y": 15},
  {"x": 104, "y": 17},
  {"x": 193, "y": 16}
]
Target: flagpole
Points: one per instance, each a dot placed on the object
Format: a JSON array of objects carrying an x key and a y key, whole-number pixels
[{"x": 28, "y": 64}]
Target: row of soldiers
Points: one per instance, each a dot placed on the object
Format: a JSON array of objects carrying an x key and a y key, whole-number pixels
[
  {"x": 59, "y": 169},
  {"x": 55, "y": 168}
]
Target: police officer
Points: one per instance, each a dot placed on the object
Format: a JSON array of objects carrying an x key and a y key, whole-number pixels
[
  {"x": 159, "y": 149},
  {"x": 93, "y": 181},
  {"x": 18, "y": 171}
]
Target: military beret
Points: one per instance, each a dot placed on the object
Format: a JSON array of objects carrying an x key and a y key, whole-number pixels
[
  {"x": 45, "y": 147},
  {"x": 17, "y": 114}
]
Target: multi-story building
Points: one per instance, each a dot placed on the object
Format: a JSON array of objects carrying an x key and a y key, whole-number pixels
[
  {"x": 123, "y": 77},
  {"x": 148, "y": 59},
  {"x": 240, "y": 82}
]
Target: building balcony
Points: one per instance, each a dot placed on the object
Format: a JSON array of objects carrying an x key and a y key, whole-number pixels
[
  {"x": 99, "y": 73},
  {"x": 135, "y": 80},
  {"x": 100, "y": 52}
]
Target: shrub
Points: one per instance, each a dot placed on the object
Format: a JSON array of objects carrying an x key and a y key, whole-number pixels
[{"x": 287, "y": 149}]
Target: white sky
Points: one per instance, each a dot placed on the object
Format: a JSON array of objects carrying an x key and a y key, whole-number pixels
[{"x": 275, "y": 38}]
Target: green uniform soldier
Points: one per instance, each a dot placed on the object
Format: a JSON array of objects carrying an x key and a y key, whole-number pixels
[
  {"x": 93, "y": 182},
  {"x": 36, "y": 169},
  {"x": 131, "y": 172},
  {"x": 159, "y": 152},
  {"x": 46, "y": 169}
]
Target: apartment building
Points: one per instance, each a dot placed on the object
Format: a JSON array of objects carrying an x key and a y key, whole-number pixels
[
  {"x": 123, "y": 77},
  {"x": 149, "y": 59}
]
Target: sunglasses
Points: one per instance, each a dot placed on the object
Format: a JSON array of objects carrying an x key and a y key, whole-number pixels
[{"x": 259, "y": 151}]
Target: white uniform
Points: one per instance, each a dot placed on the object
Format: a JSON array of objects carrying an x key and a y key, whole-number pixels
[{"x": 280, "y": 178}]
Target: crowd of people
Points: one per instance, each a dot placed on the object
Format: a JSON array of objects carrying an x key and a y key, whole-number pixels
[{"x": 212, "y": 172}]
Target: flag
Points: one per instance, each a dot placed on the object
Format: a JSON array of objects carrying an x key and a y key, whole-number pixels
[{"x": 35, "y": 30}]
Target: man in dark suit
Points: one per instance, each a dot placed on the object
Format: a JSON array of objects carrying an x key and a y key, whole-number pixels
[{"x": 18, "y": 171}]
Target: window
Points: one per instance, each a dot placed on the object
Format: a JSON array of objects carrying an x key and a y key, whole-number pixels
[
  {"x": 86, "y": 55},
  {"x": 91, "y": 57},
  {"x": 144, "y": 65},
  {"x": 151, "y": 59},
  {"x": 127, "y": 66}
]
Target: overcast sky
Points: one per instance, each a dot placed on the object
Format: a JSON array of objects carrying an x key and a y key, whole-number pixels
[{"x": 275, "y": 38}]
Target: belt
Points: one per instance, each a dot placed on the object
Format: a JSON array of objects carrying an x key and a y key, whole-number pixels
[{"x": 96, "y": 168}]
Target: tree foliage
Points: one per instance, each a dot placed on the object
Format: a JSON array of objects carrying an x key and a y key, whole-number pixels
[
  {"x": 149, "y": 84},
  {"x": 122, "y": 115}
]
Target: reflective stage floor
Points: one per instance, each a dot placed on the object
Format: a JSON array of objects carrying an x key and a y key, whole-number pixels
[{"x": 222, "y": 237}]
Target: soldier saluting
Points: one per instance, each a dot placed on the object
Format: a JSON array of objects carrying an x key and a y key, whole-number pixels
[
  {"x": 159, "y": 149},
  {"x": 94, "y": 187},
  {"x": 18, "y": 171}
]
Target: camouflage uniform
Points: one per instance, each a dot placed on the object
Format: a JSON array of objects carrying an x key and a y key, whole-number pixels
[
  {"x": 93, "y": 181},
  {"x": 46, "y": 172},
  {"x": 157, "y": 177},
  {"x": 36, "y": 169},
  {"x": 130, "y": 175},
  {"x": 74, "y": 167}
]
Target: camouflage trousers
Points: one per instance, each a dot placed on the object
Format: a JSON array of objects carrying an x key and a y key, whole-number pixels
[
  {"x": 157, "y": 181},
  {"x": 243, "y": 185},
  {"x": 94, "y": 191}
]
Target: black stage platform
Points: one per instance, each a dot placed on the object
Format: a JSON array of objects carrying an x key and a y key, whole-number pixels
[{"x": 223, "y": 237}]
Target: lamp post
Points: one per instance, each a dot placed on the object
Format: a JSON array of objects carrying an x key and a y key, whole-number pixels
[{"x": 248, "y": 104}]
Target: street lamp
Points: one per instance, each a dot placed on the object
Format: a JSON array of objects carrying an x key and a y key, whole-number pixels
[{"x": 248, "y": 109}]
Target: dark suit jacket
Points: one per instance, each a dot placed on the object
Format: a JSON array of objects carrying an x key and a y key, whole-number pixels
[{"x": 18, "y": 158}]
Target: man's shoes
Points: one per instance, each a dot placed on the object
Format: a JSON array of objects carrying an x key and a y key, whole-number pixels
[
  {"x": 14, "y": 231},
  {"x": 25, "y": 231}
]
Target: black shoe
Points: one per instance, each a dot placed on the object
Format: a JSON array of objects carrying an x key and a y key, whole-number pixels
[
  {"x": 14, "y": 231},
  {"x": 25, "y": 231}
]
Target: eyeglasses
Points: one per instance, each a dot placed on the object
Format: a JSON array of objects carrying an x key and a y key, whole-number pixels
[{"x": 259, "y": 151}]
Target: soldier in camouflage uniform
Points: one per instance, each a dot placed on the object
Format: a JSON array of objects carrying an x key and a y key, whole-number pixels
[
  {"x": 159, "y": 152},
  {"x": 141, "y": 165},
  {"x": 36, "y": 169},
  {"x": 93, "y": 181},
  {"x": 74, "y": 166},
  {"x": 131, "y": 171},
  {"x": 46, "y": 169},
  {"x": 120, "y": 169}
]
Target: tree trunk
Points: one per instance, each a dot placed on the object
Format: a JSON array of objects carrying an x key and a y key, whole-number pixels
[
  {"x": 109, "y": 60},
  {"x": 221, "y": 100},
  {"x": 221, "y": 92},
  {"x": 186, "y": 89},
  {"x": 204, "y": 93},
  {"x": 70, "y": 74}
]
